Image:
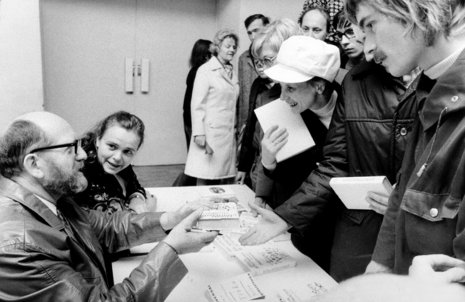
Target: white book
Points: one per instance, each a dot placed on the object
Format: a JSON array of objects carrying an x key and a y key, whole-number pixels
[
  {"x": 279, "y": 113},
  {"x": 353, "y": 190},
  {"x": 224, "y": 215}
]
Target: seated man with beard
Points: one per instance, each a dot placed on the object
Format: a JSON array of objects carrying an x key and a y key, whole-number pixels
[{"x": 51, "y": 249}]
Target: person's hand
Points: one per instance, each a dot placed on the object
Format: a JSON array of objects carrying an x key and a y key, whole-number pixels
[
  {"x": 184, "y": 241},
  {"x": 138, "y": 204},
  {"x": 269, "y": 226},
  {"x": 240, "y": 177},
  {"x": 261, "y": 203},
  {"x": 438, "y": 267},
  {"x": 169, "y": 219},
  {"x": 377, "y": 268},
  {"x": 201, "y": 141},
  {"x": 378, "y": 202},
  {"x": 273, "y": 140}
]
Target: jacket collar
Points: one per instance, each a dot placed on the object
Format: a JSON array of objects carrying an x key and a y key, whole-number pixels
[
  {"x": 215, "y": 65},
  {"x": 449, "y": 91},
  {"x": 18, "y": 193}
]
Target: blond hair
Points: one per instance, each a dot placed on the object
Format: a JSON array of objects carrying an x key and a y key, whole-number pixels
[
  {"x": 220, "y": 36},
  {"x": 274, "y": 34},
  {"x": 431, "y": 17}
]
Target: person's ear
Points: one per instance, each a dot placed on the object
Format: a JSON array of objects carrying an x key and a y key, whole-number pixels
[
  {"x": 32, "y": 165},
  {"x": 320, "y": 87}
]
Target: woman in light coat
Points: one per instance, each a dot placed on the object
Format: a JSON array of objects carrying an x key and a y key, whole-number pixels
[{"x": 212, "y": 153}]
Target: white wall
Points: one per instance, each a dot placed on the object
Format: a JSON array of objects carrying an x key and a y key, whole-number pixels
[
  {"x": 21, "y": 70},
  {"x": 20, "y": 59},
  {"x": 85, "y": 43}
]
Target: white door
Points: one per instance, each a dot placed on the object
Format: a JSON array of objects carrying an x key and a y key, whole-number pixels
[{"x": 85, "y": 43}]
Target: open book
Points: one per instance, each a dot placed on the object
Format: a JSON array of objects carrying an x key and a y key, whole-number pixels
[
  {"x": 353, "y": 190},
  {"x": 279, "y": 113}
]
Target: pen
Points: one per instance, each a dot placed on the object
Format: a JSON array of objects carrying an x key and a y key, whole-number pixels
[{"x": 196, "y": 230}]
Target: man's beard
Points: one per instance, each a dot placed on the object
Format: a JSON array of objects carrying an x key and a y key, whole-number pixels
[{"x": 60, "y": 183}]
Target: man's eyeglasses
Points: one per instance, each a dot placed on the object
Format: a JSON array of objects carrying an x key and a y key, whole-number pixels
[
  {"x": 76, "y": 144},
  {"x": 349, "y": 33},
  {"x": 265, "y": 63}
]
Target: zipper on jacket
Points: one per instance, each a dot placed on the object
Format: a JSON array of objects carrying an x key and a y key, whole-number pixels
[{"x": 425, "y": 165}]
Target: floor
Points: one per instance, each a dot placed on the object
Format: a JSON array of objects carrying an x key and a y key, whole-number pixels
[{"x": 158, "y": 176}]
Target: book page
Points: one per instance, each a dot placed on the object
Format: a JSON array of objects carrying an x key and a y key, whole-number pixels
[{"x": 279, "y": 113}]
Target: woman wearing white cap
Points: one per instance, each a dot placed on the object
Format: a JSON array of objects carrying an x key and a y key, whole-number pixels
[{"x": 306, "y": 69}]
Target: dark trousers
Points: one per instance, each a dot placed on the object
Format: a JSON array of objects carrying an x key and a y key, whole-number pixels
[
  {"x": 353, "y": 244},
  {"x": 316, "y": 242}
]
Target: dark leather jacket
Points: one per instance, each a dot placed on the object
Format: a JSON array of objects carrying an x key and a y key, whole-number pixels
[
  {"x": 45, "y": 258},
  {"x": 426, "y": 213},
  {"x": 367, "y": 136}
]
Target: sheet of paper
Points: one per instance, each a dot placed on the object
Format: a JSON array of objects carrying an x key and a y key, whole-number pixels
[
  {"x": 236, "y": 289},
  {"x": 279, "y": 113},
  {"x": 299, "y": 294}
]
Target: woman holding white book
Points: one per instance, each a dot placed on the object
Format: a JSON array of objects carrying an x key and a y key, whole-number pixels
[{"x": 306, "y": 69}]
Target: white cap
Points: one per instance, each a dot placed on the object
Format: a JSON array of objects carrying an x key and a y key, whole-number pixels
[{"x": 301, "y": 58}]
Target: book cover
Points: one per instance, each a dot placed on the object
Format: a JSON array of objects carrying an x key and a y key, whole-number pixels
[
  {"x": 279, "y": 113},
  {"x": 353, "y": 190}
]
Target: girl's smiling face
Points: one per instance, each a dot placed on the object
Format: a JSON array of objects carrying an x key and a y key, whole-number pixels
[{"x": 116, "y": 149}]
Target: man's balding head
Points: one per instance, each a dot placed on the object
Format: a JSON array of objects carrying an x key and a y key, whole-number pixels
[
  {"x": 51, "y": 124},
  {"x": 25, "y": 133}
]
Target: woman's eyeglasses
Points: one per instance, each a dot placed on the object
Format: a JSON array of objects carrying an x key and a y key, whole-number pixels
[
  {"x": 76, "y": 144},
  {"x": 265, "y": 63}
]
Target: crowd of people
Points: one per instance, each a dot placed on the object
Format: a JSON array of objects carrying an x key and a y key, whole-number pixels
[{"x": 380, "y": 86}]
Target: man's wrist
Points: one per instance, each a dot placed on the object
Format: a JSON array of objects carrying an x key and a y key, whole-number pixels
[
  {"x": 171, "y": 247},
  {"x": 269, "y": 166}
]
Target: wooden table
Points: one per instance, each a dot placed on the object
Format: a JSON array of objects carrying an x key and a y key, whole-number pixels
[{"x": 205, "y": 267}]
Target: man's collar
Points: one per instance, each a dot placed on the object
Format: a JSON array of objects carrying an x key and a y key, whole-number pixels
[
  {"x": 49, "y": 204},
  {"x": 15, "y": 191},
  {"x": 449, "y": 91}
]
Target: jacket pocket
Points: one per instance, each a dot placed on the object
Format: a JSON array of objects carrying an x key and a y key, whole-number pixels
[
  {"x": 432, "y": 207},
  {"x": 356, "y": 216}
]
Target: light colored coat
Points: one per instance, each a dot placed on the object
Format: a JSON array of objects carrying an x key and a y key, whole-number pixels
[{"x": 213, "y": 110}]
